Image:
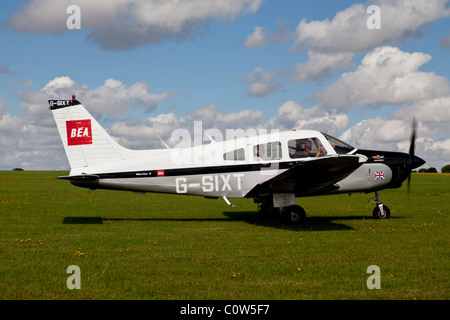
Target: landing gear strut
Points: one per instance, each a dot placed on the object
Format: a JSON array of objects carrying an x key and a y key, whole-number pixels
[
  {"x": 291, "y": 214},
  {"x": 266, "y": 208},
  {"x": 380, "y": 211}
]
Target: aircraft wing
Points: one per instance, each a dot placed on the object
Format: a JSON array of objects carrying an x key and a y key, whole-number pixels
[{"x": 315, "y": 176}]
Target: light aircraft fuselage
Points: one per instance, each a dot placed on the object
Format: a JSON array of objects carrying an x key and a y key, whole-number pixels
[{"x": 272, "y": 168}]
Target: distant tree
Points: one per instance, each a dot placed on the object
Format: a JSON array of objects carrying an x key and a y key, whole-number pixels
[
  {"x": 446, "y": 169},
  {"x": 18, "y": 169},
  {"x": 429, "y": 170}
]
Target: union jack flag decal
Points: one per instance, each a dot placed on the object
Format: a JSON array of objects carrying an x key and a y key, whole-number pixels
[{"x": 379, "y": 175}]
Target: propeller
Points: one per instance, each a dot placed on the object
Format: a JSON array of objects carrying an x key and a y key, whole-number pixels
[
  {"x": 414, "y": 161},
  {"x": 413, "y": 138},
  {"x": 412, "y": 148}
]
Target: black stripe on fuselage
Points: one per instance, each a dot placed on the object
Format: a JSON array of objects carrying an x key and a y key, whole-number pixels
[{"x": 195, "y": 170}]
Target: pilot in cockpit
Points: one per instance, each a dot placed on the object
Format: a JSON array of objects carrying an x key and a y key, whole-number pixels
[{"x": 304, "y": 147}]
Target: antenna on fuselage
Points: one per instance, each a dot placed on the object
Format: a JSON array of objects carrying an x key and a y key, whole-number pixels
[
  {"x": 165, "y": 144},
  {"x": 210, "y": 138}
]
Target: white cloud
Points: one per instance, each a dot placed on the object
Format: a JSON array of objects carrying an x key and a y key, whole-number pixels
[
  {"x": 124, "y": 24},
  {"x": 262, "y": 83},
  {"x": 28, "y": 145},
  {"x": 59, "y": 85},
  {"x": 428, "y": 111},
  {"x": 8, "y": 126},
  {"x": 386, "y": 75},
  {"x": 433, "y": 116},
  {"x": 436, "y": 153},
  {"x": 348, "y": 32},
  {"x": 242, "y": 119},
  {"x": 292, "y": 115},
  {"x": 256, "y": 39},
  {"x": 31, "y": 139},
  {"x": 259, "y": 38},
  {"x": 113, "y": 97},
  {"x": 332, "y": 44},
  {"x": 393, "y": 133},
  {"x": 321, "y": 65},
  {"x": 377, "y": 133},
  {"x": 144, "y": 133},
  {"x": 336, "y": 41}
]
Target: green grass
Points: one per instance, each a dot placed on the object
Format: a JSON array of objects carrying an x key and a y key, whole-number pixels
[{"x": 156, "y": 246}]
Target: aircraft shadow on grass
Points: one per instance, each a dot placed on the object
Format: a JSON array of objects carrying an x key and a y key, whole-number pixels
[
  {"x": 311, "y": 224},
  {"x": 277, "y": 222}
]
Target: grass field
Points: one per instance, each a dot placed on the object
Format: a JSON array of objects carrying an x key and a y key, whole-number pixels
[{"x": 156, "y": 246}]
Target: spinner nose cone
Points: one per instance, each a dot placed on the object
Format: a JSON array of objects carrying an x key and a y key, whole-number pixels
[{"x": 416, "y": 162}]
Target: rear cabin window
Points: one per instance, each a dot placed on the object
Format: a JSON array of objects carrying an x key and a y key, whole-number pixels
[
  {"x": 235, "y": 155},
  {"x": 267, "y": 151},
  {"x": 303, "y": 148}
]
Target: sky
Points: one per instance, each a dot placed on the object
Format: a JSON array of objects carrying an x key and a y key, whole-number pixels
[{"x": 360, "y": 71}]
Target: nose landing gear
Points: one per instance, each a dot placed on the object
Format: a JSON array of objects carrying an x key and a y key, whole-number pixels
[{"x": 380, "y": 211}]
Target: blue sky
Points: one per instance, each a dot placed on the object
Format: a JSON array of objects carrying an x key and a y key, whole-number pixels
[{"x": 231, "y": 64}]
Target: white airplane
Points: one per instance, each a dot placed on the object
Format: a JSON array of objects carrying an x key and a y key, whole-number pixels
[{"x": 273, "y": 168}]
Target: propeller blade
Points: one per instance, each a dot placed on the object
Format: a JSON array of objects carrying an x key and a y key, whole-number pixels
[
  {"x": 413, "y": 138},
  {"x": 412, "y": 148}
]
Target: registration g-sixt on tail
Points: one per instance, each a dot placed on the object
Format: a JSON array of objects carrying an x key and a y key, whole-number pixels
[{"x": 274, "y": 168}]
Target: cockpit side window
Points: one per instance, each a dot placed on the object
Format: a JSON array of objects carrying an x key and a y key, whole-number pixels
[
  {"x": 267, "y": 151},
  {"x": 235, "y": 155},
  {"x": 308, "y": 147},
  {"x": 339, "y": 146}
]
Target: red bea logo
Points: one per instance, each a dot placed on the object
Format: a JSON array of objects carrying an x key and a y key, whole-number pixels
[{"x": 79, "y": 132}]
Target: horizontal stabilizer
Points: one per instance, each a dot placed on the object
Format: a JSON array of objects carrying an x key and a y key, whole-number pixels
[
  {"x": 82, "y": 177},
  {"x": 90, "y": 181}
]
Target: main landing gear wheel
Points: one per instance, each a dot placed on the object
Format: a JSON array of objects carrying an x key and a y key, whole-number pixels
[{"x": 294, "y": 214}]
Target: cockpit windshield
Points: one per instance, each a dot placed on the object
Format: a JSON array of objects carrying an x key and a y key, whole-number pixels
[{"x": 339, "y": 146}]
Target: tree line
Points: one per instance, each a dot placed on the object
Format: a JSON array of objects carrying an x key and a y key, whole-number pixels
[{"x": 445, "y": 169}]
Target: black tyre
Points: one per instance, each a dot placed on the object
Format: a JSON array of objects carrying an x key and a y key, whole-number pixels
[
  {"x": 377, "y": 214},
  {"x": 266, "y": 209},
  {"x": 294, "y": 214}
]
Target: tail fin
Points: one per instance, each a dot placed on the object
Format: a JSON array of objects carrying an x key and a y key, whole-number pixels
[{"x": 86, "y": 143}]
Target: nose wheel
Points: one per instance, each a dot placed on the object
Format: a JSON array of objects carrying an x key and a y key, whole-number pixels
[{"x": 380, "y": 211}]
